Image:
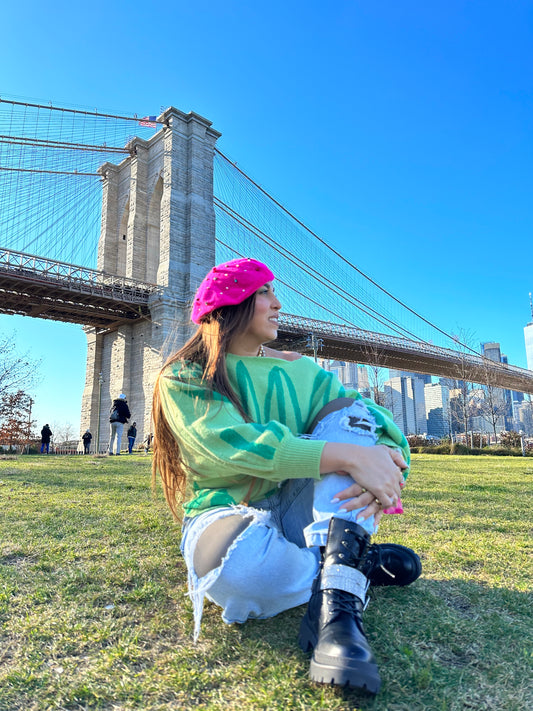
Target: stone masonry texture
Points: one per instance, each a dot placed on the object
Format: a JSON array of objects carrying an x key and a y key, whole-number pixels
[{"x": 157, "y": 220}]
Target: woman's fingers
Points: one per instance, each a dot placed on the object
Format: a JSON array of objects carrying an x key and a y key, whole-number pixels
[
  {"x": 376, "y": 468},
  {"x": 358, "y": 496},
  {"x": 373, "y": 509},
  {"x": 354, "y": 490},
  {"x": 354, "y": 497},
  {"x": 397, "y": 458}
]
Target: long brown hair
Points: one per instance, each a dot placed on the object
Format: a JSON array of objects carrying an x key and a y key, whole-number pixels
[{"x": 207, "y": 347}]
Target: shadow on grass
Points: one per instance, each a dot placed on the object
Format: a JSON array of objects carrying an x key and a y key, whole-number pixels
[{"x": 438, "y": 645}]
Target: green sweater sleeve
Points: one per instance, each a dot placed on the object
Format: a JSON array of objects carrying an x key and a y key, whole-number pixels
[{"x": 223, "y": 450}]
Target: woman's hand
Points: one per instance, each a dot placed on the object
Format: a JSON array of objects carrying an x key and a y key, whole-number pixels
[
  {"x": 376, "y": 471},
  {"x": 357, "y": 497}
]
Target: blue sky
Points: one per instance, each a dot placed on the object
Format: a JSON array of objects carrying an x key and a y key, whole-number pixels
[{"x": 400, "y": 132}]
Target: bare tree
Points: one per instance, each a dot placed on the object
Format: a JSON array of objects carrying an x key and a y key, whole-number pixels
[
  {"x": 17, "y": 371},
  {"x": 375, "y": 360},
  {"x": 462, "y": 407},
  {"x": 492, "y": 407},
  {"x": 63, "y": 432}
]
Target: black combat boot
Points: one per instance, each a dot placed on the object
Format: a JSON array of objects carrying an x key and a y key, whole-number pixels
[
  {"x": 333, "y": 620},
  {"x": 391, "y": 564}
]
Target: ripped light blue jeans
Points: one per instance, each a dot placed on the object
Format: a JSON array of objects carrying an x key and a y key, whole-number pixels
[{"x": 271, "y": 565}]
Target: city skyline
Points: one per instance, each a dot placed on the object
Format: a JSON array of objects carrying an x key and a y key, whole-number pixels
[{"x": 430, "y": 406}]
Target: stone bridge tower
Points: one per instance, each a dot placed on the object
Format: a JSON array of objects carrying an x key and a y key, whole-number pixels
[{"x": 158, "y": 226}]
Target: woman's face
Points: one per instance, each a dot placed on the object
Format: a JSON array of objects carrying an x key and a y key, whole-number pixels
[
  {"x": 265, "y": 320},
  {"x": 263, "y": 325}
]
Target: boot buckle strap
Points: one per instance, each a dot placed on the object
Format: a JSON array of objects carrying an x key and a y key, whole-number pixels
[{"x": 343, "y": 577}]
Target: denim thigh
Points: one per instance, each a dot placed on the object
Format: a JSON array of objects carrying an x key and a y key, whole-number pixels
[{"x": 263, "y": 572}]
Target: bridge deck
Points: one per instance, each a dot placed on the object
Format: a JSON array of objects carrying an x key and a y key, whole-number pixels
[
  {"x": 38, "y": 287},
  {"x": 35, "y": 286},
  {"x": 350, "y": 344}
]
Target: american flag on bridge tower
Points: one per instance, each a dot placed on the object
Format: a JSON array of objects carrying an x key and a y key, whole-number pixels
[{"x": 148, "y": 121}]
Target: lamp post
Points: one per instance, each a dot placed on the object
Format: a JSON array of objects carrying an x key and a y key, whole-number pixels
[
  {"x": 100, "y": 381},
  {"x": 314, "y": 343},
  {"x": 28, "y": 436}
]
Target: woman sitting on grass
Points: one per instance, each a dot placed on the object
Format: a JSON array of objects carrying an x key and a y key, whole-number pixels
[{"x": 249, "y": 437}]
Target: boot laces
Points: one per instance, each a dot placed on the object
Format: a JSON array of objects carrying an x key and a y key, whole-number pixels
[
  {"x": 377, "y": 559},
  {"x": 343, "y": 602},
  {"x": 349, "y": 544}
]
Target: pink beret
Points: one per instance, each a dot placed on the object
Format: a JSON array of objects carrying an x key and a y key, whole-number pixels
[{"x": 228, "y": 284}]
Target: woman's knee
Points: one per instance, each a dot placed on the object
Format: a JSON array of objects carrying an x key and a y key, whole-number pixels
[
  {"x": 337, "y": 404},
  {"x": 215, "y": 542}
]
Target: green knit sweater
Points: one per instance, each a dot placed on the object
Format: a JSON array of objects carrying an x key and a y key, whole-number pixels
[{"x": 230, "y": 460}]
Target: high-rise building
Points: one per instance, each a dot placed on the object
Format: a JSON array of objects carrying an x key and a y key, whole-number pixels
[
  {"x": 528, "y": 338},
  {"x": 363, "y": 384},
  {"x": 424, "y": 377},
  {"x": 492, "y": 351},
  {"x": 458, "y": 409},
  {"x": 502, "y": 398},
  {"x": 518, "y": 400},
  {"x": 345, "y": 371},
  {"x": 404, "y": 397},
  {"x": 437, "y": 398},
  {"x": 524, "y": 417},
  {"x": 449, "y": 383}
]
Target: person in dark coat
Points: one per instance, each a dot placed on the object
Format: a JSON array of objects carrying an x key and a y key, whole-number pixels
[
  {"x": 118, "y": 416},
  {"x": 86, "y": 437},
  {"x": 46, "y": 435},
  {"x": 147, "y": 442},
  {"x": 132, "y": 434}
]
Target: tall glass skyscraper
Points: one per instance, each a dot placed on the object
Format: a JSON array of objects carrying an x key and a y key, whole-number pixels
[{"x": 528, "y": 337}]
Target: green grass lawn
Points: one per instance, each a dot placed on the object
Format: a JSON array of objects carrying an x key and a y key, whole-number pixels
[{"x": 94, "y": 612}]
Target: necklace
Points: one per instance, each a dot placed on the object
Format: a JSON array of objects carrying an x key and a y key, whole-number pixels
[{"x": 261, "y": 351}]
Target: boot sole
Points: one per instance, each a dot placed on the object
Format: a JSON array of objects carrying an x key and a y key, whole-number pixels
[
  {"x": 358, "y": 675},
  {"x": 361, "y": 675}
]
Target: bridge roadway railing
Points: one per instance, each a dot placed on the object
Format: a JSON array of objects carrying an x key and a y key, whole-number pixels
[
  {"x": 106, "y": 300},
  {"x": 75, "y": 277},
  {"x": 342, "y": 342}
]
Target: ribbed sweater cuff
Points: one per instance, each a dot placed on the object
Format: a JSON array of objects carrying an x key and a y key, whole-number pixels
[{"x": 301, "y": 459}]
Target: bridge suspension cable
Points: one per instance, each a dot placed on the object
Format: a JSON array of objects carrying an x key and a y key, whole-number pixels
[
  {"x": 43, "y": 143},
  {"x": 315, "y": 274},
  {"x": 260, "y": 215},
  {"x": 82, "y": 112},
  {"x": 49, "y": 156}
]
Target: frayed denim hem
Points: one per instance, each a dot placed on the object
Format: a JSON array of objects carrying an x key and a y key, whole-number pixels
[{"x": 198, "y": 587}]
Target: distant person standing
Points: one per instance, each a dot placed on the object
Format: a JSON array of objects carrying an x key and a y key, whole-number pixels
[
  {"x": 148, "y": 442},
  {"x": 86, "y": 437},
  {"x": 46, "y": 436},
  {"x": 132, "y": 434},
  {"x": 119, "y": 415}
]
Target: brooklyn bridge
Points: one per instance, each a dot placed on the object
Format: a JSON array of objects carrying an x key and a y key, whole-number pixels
[{"x": 112, "y": 221}]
